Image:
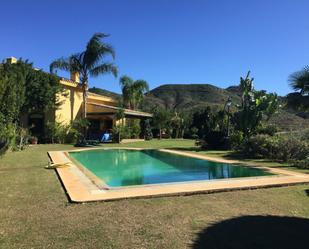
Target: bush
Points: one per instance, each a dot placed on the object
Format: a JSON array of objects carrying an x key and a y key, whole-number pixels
[
  {"x": 7, "y": 137},
  {"x": 56, "y": 132},
  {"x": 282, "y": 148},
  {"x": 13, "y": 137},
  {"x": 304, "y": 135},
  {"x": 120, "y": 132},
  {"x": 267, "y": 130},
  {"x": 236, "y": 139},
  {"x": 302, "y": 164},
  {"x": 147, "y": 130},
  {"x": 134, "y": 129},
  {"x": 215, "y": 140}
]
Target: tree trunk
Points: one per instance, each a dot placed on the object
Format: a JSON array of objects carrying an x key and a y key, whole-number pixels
[
  {"x": 85, "y": 94},
  {"x": 85, "y": 101},
  {"x": 160, "y": 133}
]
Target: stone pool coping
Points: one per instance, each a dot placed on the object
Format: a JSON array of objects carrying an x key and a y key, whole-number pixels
[{"x": 83, "y": 186}]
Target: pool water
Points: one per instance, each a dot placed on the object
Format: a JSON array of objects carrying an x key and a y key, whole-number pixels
[{"x": 122, "y": 167}]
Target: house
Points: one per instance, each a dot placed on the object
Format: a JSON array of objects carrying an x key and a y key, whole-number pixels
[{"x": 101, "y": 110}]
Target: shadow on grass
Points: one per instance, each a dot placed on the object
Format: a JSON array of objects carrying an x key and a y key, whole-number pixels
[
  {"x": 307, "y": 192},
  {"x": 196, "y": 149},
  {"x": 255, "y": 232}
]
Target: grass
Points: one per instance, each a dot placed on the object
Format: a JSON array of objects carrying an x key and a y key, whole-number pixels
[{"x": 35, "y": 213}]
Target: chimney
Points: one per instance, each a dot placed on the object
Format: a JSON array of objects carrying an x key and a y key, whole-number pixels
[
  {"x": 75, "y": 77},
  {"x": 11, "y": 60}
]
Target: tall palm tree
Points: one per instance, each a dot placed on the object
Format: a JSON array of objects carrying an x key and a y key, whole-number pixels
[
  {"x": 299, "y": 81},
  {"x": 88, "y": 63},
  {"x": 133, "y": 91}
]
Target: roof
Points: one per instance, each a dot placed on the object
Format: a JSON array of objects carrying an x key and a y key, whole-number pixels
[
  {"x": 94, "y": 96},
  {"x": 101, "y": 109}
]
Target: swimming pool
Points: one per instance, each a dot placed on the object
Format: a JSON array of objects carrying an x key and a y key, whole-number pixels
[{"x": 123, "y": 167}]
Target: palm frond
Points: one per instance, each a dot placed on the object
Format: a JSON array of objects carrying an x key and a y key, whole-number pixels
[
  {"x": 104, "y": 69},
  {"x": 141, "y": 85},
  {"x": 97, "y": 49},
  {"x": 61, "y": 63},
  {"x": 125, "y": 81},
  {"x": 299, "y": 81},
  {"x": 76, "y": 62}
]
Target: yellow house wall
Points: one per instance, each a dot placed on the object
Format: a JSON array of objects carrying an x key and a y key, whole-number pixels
[
  {"x": 72, "y": 102},
  {"x": 71, "y": 105}
]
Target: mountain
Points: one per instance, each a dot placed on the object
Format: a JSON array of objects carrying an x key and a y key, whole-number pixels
[{"x": 191, "y": 97}]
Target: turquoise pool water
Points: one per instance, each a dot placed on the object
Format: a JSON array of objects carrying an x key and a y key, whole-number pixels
[{"x": 119, "y": 167}]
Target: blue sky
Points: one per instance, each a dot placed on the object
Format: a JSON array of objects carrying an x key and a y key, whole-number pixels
[{"x": 167, "y": 41}]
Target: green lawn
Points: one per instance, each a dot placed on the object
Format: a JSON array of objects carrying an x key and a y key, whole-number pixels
[{"x": 35, "y": 213}]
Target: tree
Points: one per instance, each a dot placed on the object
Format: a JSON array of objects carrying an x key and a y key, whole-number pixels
[
  {"x": 299, "y": 82},
  {"x": 255, "y": 105},
  {"x": 160, "y": 120},
  {"x": 201, "y": 121},
  {"x": 12, "y": 91},
  {"x": 147, "y": 130},
  {"x": 23, "y": 89},
  {"x": 133, "y": 91},
  {"x": 210, "y": 127},
  {"x": 88, "y": 63}
]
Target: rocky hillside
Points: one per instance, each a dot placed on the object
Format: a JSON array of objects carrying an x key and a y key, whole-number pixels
[{"x": 190, "y": 97}]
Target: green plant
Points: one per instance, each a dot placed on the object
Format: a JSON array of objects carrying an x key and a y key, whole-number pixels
[
  {"x": 193, "y": 133},
  {"x": 23, "y": 89},
  {"x": 120, "y": 132},
  {"x": 147, "y": 130},
  {"x": 236, "y": 139},
  {"x": 56, "y": 132},
  {"x": 302, "y": 164},
  {"x": 267, "y": 130},
  {"x": 134, "y": 128},
  {"x": 255, "y": 105},
  {"x": 282, "y": 148},
  {"x": 133, "y": 91},
  {"x": 161, "y": 119}
]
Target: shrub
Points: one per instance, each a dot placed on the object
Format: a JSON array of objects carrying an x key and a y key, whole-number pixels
[
  {"x": 7, "y": 137},
  {"x": 236, "y": 139},
  {"x": 120, "y": 132},
  {"x": 56, "y": 132},
  {"x": 134, "y": 129},
  {"x": 282, "y": 148},
  {"x": 267, "y": 130},
  {"x": 147, "y": 130},
  {"x": 302, "y": 164},
  {"x": 215, "y": 140},
  {"x": 193, "y": 133},
  {"x": 305, "y": 135}
]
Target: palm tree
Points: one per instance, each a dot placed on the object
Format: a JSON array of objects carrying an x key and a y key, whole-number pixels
[
  {"x": 133, "y": 91},
  {"x": 299, "y": 81},
  {"x": 88, "y": 63}
]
